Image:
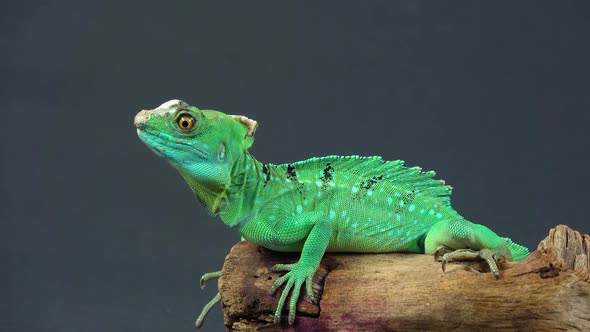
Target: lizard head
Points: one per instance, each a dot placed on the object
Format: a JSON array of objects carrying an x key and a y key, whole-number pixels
[{"x": 202, "y": 145}]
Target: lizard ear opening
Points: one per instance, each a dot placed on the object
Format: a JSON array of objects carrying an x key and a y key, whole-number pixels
[{"x": 249, "y": 126}]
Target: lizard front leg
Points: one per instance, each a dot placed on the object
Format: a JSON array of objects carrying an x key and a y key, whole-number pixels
[
  {"x": 302, "y": 271},
  {"x": 308, "y": 232}
]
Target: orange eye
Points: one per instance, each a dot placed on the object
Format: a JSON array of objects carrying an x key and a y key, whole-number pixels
[{"x": 186, "y": 122}]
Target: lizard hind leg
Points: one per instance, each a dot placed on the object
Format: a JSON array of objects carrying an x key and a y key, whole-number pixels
[{"x": 461, "y": 240}]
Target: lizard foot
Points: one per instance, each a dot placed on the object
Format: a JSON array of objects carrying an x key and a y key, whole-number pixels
[
  {"x": 204, "y": 278},
  {"x": 488, "y": 255},
  {"x": 208, "y": 276},
  {"x": 295, "y": 277},
  {"x": 206, "y": 309}
]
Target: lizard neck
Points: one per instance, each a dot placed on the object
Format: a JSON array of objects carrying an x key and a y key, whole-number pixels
[
  {"x": 210, "y": 195},
  {"x": 239, "y": 198}
]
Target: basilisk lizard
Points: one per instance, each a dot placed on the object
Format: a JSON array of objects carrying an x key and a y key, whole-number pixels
[{"x": 333, "y": 203}]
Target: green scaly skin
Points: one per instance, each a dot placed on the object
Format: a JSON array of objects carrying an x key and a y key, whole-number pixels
[{"x": 334, "y": 203}]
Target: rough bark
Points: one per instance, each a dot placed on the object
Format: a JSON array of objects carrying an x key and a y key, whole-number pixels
[{"x": 549, "y": 290}]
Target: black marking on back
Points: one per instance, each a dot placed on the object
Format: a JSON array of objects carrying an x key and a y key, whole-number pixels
[
  {"x": 367, "y": 184},
  {"x": 291, "y": 175},
  {"x": 327, "y": 176},
  {"x": 407, "y": 198},
  {"x": 328, "y": 172},
  {"x": 266, "y": 174}
]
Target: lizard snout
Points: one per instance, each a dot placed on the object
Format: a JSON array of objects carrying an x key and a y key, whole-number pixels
[{"x": 141, "y": 119}]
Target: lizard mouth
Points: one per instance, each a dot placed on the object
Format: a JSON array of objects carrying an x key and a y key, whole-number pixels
[{"x": 162, "y": 144}]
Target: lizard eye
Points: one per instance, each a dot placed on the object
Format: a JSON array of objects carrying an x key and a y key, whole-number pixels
[{"x": 186, "y": 122}]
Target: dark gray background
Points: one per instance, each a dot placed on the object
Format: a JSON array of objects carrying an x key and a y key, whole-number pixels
[{"x": 99, "y": 234}]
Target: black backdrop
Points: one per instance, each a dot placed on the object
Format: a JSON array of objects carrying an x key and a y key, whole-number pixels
[{"x": 98, "y": 234}]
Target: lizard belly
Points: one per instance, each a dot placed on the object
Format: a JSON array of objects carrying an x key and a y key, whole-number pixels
[{"x": 375, "y": 238}]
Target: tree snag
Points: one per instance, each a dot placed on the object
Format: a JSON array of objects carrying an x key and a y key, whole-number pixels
[{"x": 547, "y": 291}]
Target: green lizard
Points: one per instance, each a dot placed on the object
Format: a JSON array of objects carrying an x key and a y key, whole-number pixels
[{"x": 334, "y": 203}]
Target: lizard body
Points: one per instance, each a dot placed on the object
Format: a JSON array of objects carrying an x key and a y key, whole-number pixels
[{"x": 333, "y": 203}]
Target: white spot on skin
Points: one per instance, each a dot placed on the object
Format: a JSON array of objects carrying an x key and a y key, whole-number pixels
[
  {"x": 389, "y": 200},
  {"x": 401, "y": 203},
  {"x": 355, "y": 190},
  {"x": 431, "y": 212},
  {"x": 332, "y": 214},
  {"x": 343, "y": 213},
  {"x": 439, "y": 215},
  {"x": 318, "y": 183},
  {"x": 299, "y": 208},
  {"x": 412, "y": 207},
  {"x": 398, "y": 217},
  {"x": 369, "y": 192}
]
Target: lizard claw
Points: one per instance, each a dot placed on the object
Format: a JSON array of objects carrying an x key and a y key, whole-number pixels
[
  {"x": 491, "y": 258},
  {"x": 294, "y": 279},
  {"x": 440, "y": 251}
]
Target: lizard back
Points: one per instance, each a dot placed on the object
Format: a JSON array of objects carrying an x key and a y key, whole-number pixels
[{"x": 364, "y": 197}]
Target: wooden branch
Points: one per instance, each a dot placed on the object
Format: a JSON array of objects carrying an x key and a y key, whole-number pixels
[{"x": 549, "y": 290}]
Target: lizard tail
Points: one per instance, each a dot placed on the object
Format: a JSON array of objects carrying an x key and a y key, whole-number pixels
[{"x": 518, "y": 252}]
